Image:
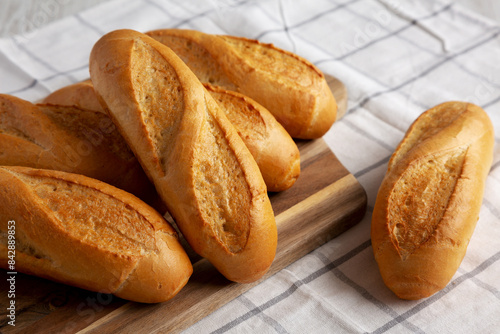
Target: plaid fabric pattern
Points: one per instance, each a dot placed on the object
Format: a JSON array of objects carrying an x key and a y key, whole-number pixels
[{"x": 397, "y": 59}]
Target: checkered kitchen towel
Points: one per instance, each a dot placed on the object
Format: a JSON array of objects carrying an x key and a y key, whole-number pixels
[{"x": 397, "y": 58}]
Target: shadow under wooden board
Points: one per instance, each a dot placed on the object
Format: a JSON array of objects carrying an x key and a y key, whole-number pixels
[{"x": 325, "y": 201}]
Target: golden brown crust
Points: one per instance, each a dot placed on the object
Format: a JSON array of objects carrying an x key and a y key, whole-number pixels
[
  {"x": 86, "y": 233},
  {"x": 271, "y": 146},
  {"x": 429, "y": 201},
  {"x": 290, "y": 87},
  {"x": 73, "y": 140},
  {"x": 200, "y": 166},
  {"x": 79, "y": 95}
]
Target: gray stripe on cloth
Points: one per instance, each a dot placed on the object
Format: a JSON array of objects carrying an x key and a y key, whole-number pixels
[
  {"x": 372, "y": 166},
  {"x": 294, "y": 287},
  {"x": 161, "y": 9},
  {"x": 202, "y": 14},
  {"x": 32, "y": 84},
  {"x": 495, "y": 166},
  {"x": 430, "y": 300},
  {"x": 46, "y": 65},
  {"x": 37, "y": 59},
  {"x": 493, "y": 290},
  {"x": 286, "y": 28},
  {"x": 311, "y": 19},
  {"x": 369, "y": 297},
  {"x": 39, "y": 81},
  {"x": 448, "y": 58},
  {"x": 492, "y": 208},
  {"x": 268, "y": 320},
  {"x": 480, "y": 77},
  {"x": 492, "y": 102},
  {"x": 88, "y": 24},
  {"x": 395, "y": 32},
  {"x": 425, "y": 72},
  {"x": 358, "y": 130}
]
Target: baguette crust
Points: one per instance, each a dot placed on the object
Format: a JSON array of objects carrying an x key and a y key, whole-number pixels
[
  {"x": 80, "y": 94},
  {"x": 290, "y": 87},
  {"x": 73, "y": 140},
  {"x": 201, "y": 168},
  {"x": 271, "y": 146},
  {"x": 428, "y": 204},
  {"x": 82, "y": 232}
]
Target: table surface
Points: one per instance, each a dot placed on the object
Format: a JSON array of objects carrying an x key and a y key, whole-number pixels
[{"x": 19, "y": 16}]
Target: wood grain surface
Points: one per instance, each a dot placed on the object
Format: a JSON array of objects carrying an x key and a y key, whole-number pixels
[
  {"x": 340, "y": 93},
  {"x": 325, "y": 201}
]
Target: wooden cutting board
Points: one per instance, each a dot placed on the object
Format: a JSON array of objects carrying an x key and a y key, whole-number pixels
[{"x": 325, "y": 201}]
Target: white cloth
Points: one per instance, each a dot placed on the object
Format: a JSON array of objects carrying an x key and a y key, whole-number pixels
[{"x": 397, "y": 59}]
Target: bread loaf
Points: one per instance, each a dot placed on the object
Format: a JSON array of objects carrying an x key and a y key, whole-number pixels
[
  {"x": 429, "y": 201},
  {"x": 271, "y": 146},
  {"x": 82, "y": 232},
  {"x": 73, "y": 140},
  {"x": 290, "y": 87},
  {"x": 200, "y": 166}
]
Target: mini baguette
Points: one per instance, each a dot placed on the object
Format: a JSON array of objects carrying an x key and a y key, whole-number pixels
[
  {"x": 73, "y": 140},
  {"x": 290, "y": 87},
  {"x": 428, "y": 204},
  {"x": 200, "y": 166},
  {"x": 271, "y": 146},
  {"x": 82, "y": 232}
]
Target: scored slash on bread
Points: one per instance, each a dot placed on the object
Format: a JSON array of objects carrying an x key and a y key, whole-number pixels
[
  {"x": 271, "y": 146},
  {"x": 73, "y": 140},
  {"x": 200, "y": 166},
  {"x": 290, "y": 87},
  {"x": 428, "y": 204},
  {"x": 79, "y": 231}
]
